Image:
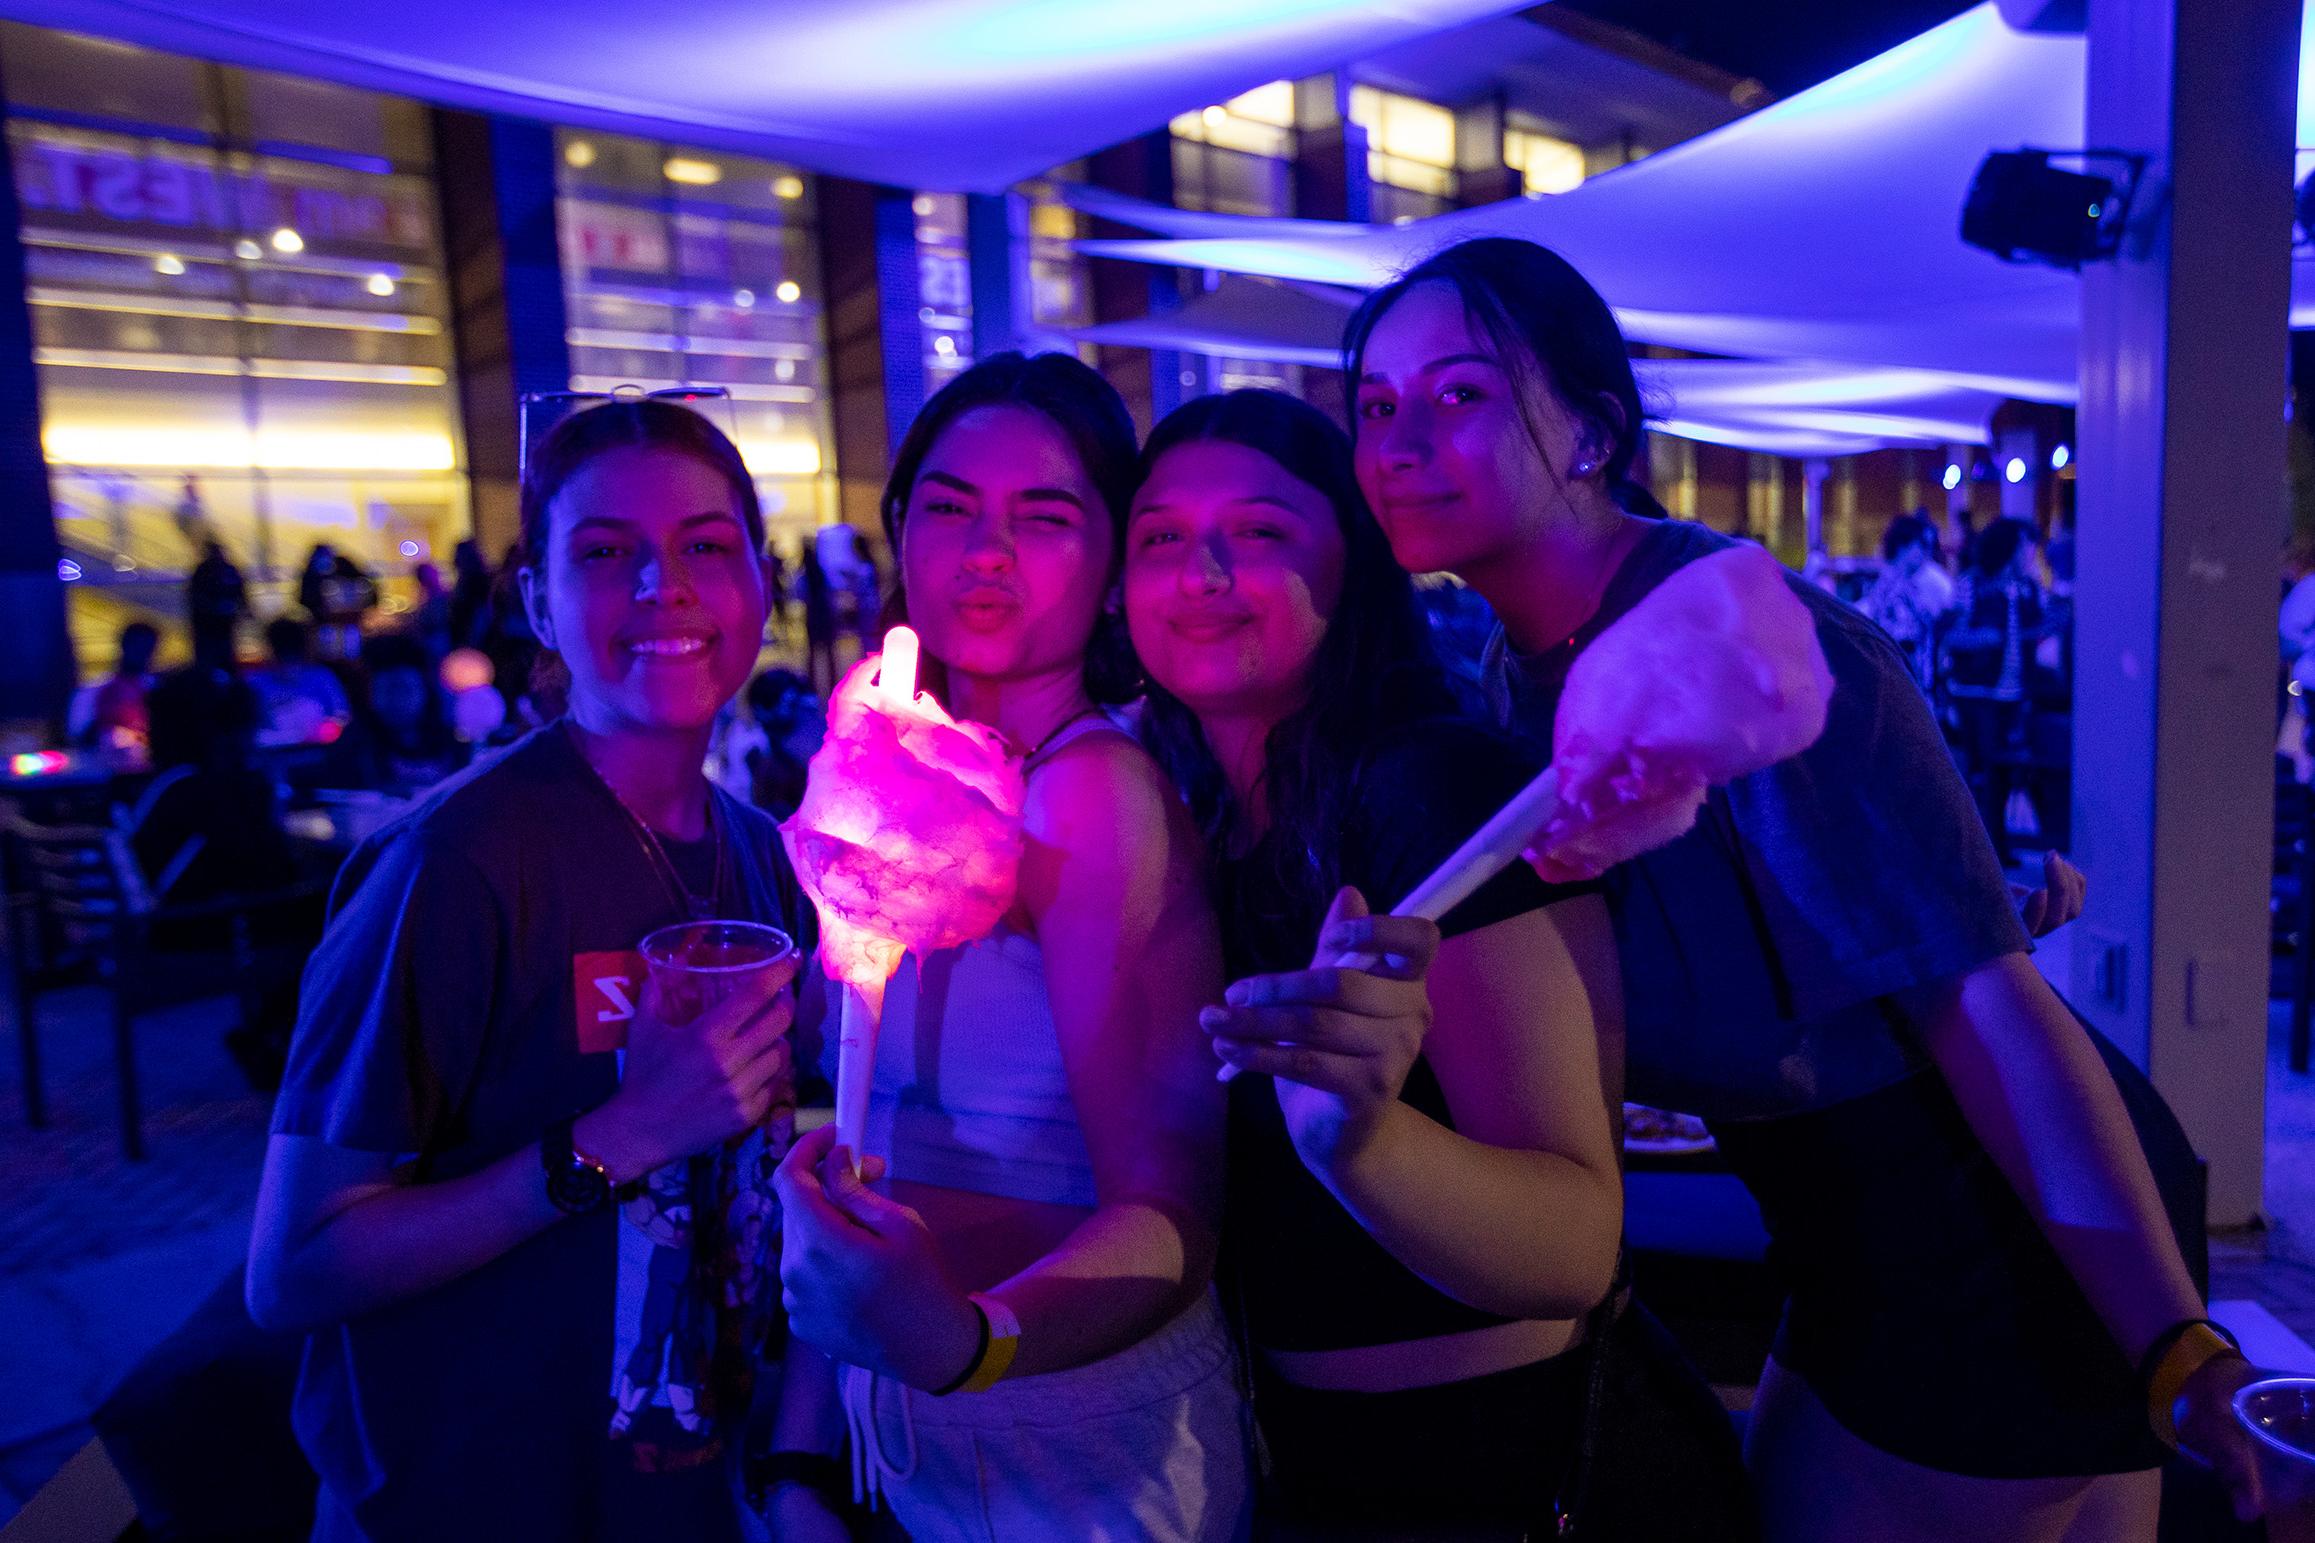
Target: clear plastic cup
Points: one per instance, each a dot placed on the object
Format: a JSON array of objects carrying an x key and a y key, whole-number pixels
[
  {"x": 697, "y": 964},
  {"x": 2279, "y": 1412}
]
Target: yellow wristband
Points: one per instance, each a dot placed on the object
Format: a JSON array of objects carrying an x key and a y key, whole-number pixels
[
  {"x": 2194, "y": 1349},
  {"x": 1004, "y": 1340}
]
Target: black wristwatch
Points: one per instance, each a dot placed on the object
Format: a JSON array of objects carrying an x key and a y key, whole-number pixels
[{"x": 576, "y": 1183}]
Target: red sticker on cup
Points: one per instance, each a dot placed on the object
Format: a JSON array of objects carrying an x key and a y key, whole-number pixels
[{"x": 607, "y": 987}]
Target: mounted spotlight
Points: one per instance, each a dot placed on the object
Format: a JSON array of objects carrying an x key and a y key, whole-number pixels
[{"x": 2023, "y": 209}]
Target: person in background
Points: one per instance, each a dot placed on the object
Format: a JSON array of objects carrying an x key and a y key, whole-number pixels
[
  {"x": 1998, "y": 622},
  {"x": 469, "y": 596},
  {"x": 297, "y": 695},
  {"x": 191, "y": 517},
  {"x": 776, "y": 566},
  {"x": 402, "y": 741},
  {"x": 337, "y": 594},
  {"x": 216, "y": 599},
  {"x": 819, "y": 621},
  {"x": 867, "y": 587},
  {"x": 208, "y": 828},
  {"x": 1911, "y": 595},
  {"x": 209, "y": 823},
  {"x": 794, "y": 723},
  {"x": 111, "y": 715},
  {"x": 490, "y": 1139},
  {"x": 430, "y": 618},
  {"x": 1993, "y": 1296}
]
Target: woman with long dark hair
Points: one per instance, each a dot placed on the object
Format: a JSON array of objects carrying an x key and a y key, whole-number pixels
[
  {"x": 1990, "y": 1317},
  {"x": 1032, "y": 1348},
  {"x": 504, "y": 1197},
  {"x": 1424, "y": 1201}
]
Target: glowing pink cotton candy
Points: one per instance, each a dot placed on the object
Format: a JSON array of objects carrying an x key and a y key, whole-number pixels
[
  {"x": 909, "y": 835},
  {"x": 1714, "y": 675}
]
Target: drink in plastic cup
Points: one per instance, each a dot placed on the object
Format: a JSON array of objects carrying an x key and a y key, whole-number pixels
[
  {"x": 697, "y": 964},
  {"x": 2279, "y": 1412}
]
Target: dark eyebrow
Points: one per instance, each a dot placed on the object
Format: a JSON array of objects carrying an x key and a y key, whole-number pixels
[
  {"x": 1376, "y": 378},
  {"x": 948, "y": 480},
  {"x": 1054, "y": 495},
  {"x": 614, "y": 523}
]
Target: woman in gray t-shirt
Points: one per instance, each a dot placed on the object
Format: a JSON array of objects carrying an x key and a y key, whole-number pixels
[{"x": 1983, "y": 1281}]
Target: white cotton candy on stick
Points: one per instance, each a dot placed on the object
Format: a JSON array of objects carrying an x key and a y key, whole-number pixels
[
  {"x": 1714, "y": 675},
  {"x": 908, "y": 839}
]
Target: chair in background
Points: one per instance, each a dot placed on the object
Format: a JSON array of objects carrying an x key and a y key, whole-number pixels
[{"x": 80, "y": 908}]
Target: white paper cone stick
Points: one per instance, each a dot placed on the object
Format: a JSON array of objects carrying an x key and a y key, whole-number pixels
[
  {"x": 1494, "y": 847},
  {"x": 855, "y": 1070}
]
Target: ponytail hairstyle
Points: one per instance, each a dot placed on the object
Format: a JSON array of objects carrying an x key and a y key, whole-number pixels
[{"x": 1553, "y": 334}]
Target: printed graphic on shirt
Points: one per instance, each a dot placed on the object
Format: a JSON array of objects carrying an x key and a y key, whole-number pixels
[
  {"x": 608, "y": 986},
  {"x": 698, "y": 1267}
]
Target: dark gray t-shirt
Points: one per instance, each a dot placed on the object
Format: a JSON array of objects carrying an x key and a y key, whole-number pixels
[
  {"x": 472, "y": 987},
  {"x": 1758, "y": 949}
]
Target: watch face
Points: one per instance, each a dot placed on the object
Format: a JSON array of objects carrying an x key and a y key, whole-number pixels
[{"x": 577, "y": 1187}]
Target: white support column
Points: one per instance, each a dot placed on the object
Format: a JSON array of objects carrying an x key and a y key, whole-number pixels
[{"x": 2181, "y": 523}]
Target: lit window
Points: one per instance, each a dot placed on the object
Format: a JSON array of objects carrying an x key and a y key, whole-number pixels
[
  {"x": 1545, "y": 164},
  {"x": 1410, "y": 143},
  {"x": 1256, "y": 122}
]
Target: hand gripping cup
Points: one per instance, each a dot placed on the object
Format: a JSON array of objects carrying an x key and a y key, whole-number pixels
[
  {"x": 695, "y": 965},
  {"x": 2279, "y": 1412}
]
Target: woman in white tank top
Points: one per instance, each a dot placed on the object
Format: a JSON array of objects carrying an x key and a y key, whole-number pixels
[{"x": 1044, "y": 1098}]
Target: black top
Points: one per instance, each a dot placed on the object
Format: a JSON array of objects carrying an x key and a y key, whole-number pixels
[
  {"x": 1312, "y": 1278},
  {"x": 1758, "y": 949},
  {"x": 472, "y": 988}
]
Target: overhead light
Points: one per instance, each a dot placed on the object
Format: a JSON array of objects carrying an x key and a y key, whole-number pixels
[
  {"x": 1952, "y": 476},
  {"x": 1216, "y": 116},
  {"x": 288, "y": 241},
  {"x": 169, "y": 263},
  {"x": 922, "y": 206},
  {"x": 691, "y": 173},
  {"x": 788, "y": 187},
  {"x": 247, "y": 250},
  {"x": 789, "y": 291},
  {"x": 745, "y": 299},
  {"x": 380, "y": 284},
  {"x": 579, "y": 153},
  {"x": 2060, "y": 457},
  {"x": 945, "y": 346},
  {"x": 2016, "y": 470}
]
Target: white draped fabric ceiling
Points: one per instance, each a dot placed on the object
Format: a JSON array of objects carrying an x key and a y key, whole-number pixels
[{"x": 1821, "y": 233}]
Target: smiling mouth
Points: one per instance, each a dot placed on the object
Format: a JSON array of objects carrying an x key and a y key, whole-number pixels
[
  {"x": 668, "y": 648},
  {"x": 1205, "y": 629}
]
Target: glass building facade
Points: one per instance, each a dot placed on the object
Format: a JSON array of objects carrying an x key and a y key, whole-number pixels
[
  {"x": 239, "y": 317},
  {"x": 686, "y": 267}
]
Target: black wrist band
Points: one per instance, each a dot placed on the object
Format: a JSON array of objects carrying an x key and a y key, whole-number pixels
[
  {"x": 980, "y": 1353},
  {"x": 823, "y": 1475}
]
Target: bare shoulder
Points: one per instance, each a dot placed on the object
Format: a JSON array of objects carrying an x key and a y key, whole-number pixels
[{"x": 1098, "y": 777}]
